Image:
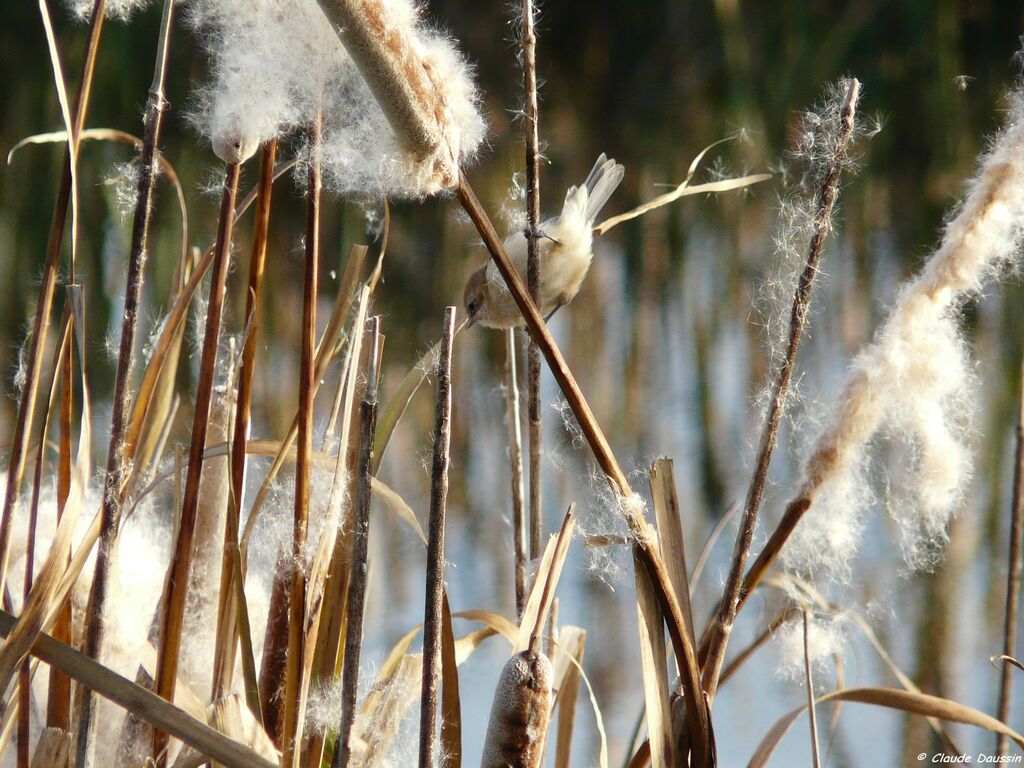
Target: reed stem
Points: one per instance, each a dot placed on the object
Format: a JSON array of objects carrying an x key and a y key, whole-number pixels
[
  {"x": 358, "y": 570},
  {"x": 433, "y": 608},
  {"x": 531, "y": 135},
  {"x": 173, "y": 606},
  {"x": 726, "y": 615},
  {"x": 110, "y": 514},
  {"x": 232, "y": 593},
  {"x": 1013, "y": 579},
  {"x": 515, "y": 456},
  {"x": 291, "y": 738}
]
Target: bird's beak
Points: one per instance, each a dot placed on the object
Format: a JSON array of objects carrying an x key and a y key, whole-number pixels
[{"x": 471, "y": 321}]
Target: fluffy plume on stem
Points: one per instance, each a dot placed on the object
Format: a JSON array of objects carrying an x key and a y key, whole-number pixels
[
  {"x": 914, "y": 379},
  {"x": 276, "y": 62}
]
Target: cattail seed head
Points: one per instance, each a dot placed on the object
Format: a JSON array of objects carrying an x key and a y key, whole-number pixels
[{"x": 519, "y": 715}]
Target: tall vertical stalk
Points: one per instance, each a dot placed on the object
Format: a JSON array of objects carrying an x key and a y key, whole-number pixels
[
  {"x": 532, "y": 133},
  {"x": 1013, "y": 578},
  {"x": 726, "y": 614},
  {"x": 358, "y": 567},
  {"x": 435, "y": 547},
  {"x": 41, "y": 324},
  {"x": 173, "y": 606},
  {"x": 114, "y": 479},
  {"x": 515, "y": 456},
  {"x": 291, "y": 737},
  {"x": 227, "y": 626}
]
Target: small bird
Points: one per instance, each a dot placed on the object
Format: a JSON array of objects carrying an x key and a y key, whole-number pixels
[{"x": 566, "y": 250}]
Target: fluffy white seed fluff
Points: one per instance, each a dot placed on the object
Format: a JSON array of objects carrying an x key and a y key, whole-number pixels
[
  {"x": 914, "y": 381},
  {"x": 115, "y": 9},
  {"x": 275, "y": 63},
  {"x": 826, "y": 639}
]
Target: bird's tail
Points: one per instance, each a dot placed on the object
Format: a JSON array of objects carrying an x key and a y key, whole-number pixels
[{"x": 601, "y": 182}]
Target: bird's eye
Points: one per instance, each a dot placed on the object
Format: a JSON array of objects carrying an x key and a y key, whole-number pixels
[{"x": 472, "y": 307}]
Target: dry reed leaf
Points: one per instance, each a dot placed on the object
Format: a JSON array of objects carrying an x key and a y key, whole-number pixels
[
  {"x": 1008, "y": 660},
  {"x": 232, "y": 719},
  {"x": 112, "y": 134},
  {"x": 654, "y": 669},
  {"x": 143, "y": 703},
  {"x": 52, "y": 749},
  {"x": 534, "y": 613},
  {"x": 47, "y": 594},
  {"x": 451, "y": 706},
  {"x": 502, "y": 625},
  {"x": 397, "y": 504},
  {"x": 572, "y": 641},
  {"x": 602, "y": 755},
  {"x": 905, "y": 701},
  {"x": 685, "y": 189}
]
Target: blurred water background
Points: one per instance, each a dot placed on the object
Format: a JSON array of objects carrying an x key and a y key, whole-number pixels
[{"x": 665, "y": 339}]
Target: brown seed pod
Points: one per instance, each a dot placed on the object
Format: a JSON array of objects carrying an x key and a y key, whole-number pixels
[{"x": 518, "y": 726}]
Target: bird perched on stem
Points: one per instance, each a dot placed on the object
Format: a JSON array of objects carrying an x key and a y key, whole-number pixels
[{"x": 566, "y": 251}]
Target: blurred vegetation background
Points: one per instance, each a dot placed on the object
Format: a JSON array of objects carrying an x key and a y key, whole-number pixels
[{"x": 664, "y": 338}]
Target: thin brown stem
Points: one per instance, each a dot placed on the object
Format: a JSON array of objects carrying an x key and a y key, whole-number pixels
[
  {"x": 433, "y": 608},
  {"x": 647, "y": 551},
  {"x": 809, "y": 682},
  {"x": 291, "y": 738},
  {"x": 227, "y": 627},
  {"x": 358, "y": 569},
  {"x": 1013, "y": 578},
  {"x": 41, "y": 323},
  {"x": 173, "y": 606},
  {"x": 110, "y": 514},
  {"x": 515, "y": 457},
  {"x": 726, "y": 615},
  {"x": 532, "y": 137}
]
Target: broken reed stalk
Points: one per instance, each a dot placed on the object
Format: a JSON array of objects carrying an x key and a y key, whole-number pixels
[
  {"x": 114, "y": 479},
  {"x": 173, "y": 604},
  {"x": 231, "y": 590},
  {"x": 41, "y": 323},
  {"x": 515, "y": 456},
  {"x": 726, "y": 614},
  {"x": 532, "y": 133},
  {"x": 643, "y": 535},
  {"x": 292, "y": 734},
  {"x": 1013, "y": 579},
  {"x": 434, "y": 599},
  {"x": 358, "y": 569}
]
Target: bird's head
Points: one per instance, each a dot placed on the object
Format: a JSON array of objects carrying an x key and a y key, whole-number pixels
[{"x": 475, "y": 295}]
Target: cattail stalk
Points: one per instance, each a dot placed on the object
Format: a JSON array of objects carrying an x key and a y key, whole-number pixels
[
  {"x": 432, "y": 619},
  {"x": 292, "y": 735},
  {"x": 110, "y": 514},
  {"x": 515, "y": 455},
  {"x": 358, "y": 569},
  {"x": 726, "y": 615},
  {"x": 532, "y": 133},
  {"x": 41, "y": 323},
  {"x": 173, "y": 605},
  {"x": 1013, "y": 579},
  {"x": 232, "y": 593}
]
